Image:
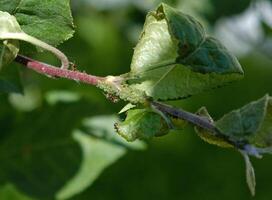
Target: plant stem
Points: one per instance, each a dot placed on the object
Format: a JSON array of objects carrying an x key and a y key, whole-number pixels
[
  {"x": 53, "y": 71},
  {"x": 195, "y": 120},
  {"x": 192, "y": 118},
  {"x": 32, "y": 40},
  {"x": 182, "y": 114}
]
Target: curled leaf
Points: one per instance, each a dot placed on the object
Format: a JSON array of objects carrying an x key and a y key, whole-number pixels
[
  {"x": 8, "y": 51},
  {"x": 174, "y": 58},
  {"x": 142, "y": 124}
]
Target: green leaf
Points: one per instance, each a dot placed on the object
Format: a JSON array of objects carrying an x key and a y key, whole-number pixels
[
  {"x": 206, "y": 135},
  {"x": 39, "y": 158},
  {"x": 49, "y": 21},
  {"x": 103, "y": 127},
  {"x": 8, "y": 51},
  {"x": 10, "y": 80},
  {"x": 9, "y": 192},
  {"x": 49, "y": 159},
  {"x": 11, "y": 30},
  {"x": 9, "y": 24},
  {"x": 101, "y": 147},
  {"x": 174, "y": 58},
  {"x": 250, "y": 174},
  {"x": 252, "y": 123},
  {"x": 142, "y": 124},
  {"x": 56, "y": 96},
  {"x": 126, "y": 108},
  {"x": 97, "y": 155}
]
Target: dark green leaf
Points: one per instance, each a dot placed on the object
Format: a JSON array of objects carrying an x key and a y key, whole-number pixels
[
  {"x": 49, "y": 21},
  {"x": 252, "y": 123},
  {"x": 175, "y": 59}
]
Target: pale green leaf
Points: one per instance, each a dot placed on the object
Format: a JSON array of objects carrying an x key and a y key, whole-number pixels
[
  {"x": 30, "y": 100},
  {"x": 97, "y": 155},
  {"x": 57, "y": 96},
  {"x": 8, "y": 49},
  {"x": 174, "y": 58},
  {"x": 103, "y": 127},
  {"x": 9, "y": 24},
  {"x": 101, "y": 147},
  {"x": 126, "y": 108}
]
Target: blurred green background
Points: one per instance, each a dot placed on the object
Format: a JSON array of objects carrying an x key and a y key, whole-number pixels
[{"x": 177, "y": 166}]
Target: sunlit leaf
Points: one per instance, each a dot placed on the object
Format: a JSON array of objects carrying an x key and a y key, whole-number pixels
[
  {"x": 174, "y": 58},
  {"x": 126, "y": 108}
]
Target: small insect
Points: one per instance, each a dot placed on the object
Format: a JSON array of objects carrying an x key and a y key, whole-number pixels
[
  {"x": 73, "y": 66},
  {"x": 112, "y": 97}
]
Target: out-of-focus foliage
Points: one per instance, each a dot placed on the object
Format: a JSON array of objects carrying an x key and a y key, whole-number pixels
[{"x": 177, "y": 166}]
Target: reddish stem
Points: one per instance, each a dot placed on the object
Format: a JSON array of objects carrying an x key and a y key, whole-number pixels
[{"x": 53, "y": 71}]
